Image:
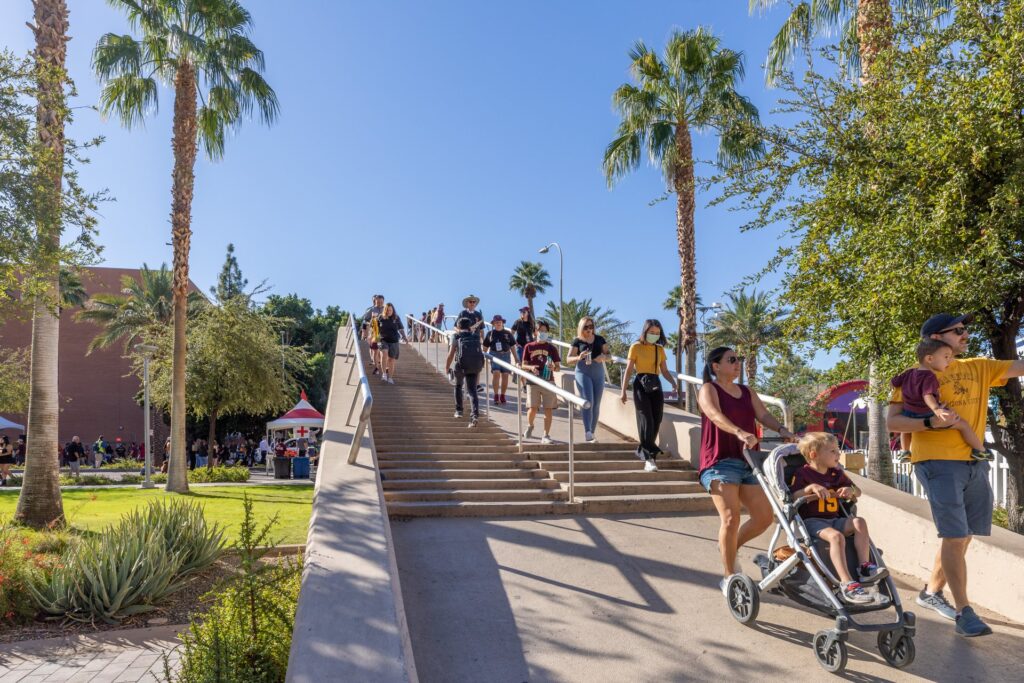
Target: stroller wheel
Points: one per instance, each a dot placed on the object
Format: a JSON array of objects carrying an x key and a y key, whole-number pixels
[
  {"x": 743, "y": 598},
  {"x": 831, "y": 657},
  {"x": 897, "y": 648}
]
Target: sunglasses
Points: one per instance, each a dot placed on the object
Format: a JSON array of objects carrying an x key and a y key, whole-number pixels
[
  {"x": 732, "y": 359},
  {"x": 588, "y": 327},
  {"x": 958, "y": 330}
]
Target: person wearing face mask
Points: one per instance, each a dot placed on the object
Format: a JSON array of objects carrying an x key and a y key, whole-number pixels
[
  {"x": 589, "y": 351},
  {"x": 541, "y": 358},
  {"x": 729, "y": 416},
  {"x": 647, "y": 357}
]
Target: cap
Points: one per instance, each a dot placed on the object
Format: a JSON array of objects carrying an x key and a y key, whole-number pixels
[
  {"x": 497, "y": 318},
  {"x": 524, "y": 309},
  {"x": 943, "y": 321}
]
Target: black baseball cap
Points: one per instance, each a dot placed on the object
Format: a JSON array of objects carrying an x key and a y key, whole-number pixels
[{"x": 943, "y": 321}]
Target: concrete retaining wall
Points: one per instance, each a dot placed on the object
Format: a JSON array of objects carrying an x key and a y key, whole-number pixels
[
  {"x": 350, "y": 623},
  {"x": 901, "y": 525}
]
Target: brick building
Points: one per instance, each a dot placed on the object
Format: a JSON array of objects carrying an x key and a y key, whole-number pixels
[{"x": 97, "y": 391}]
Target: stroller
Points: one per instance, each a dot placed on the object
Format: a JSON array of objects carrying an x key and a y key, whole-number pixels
[{"x": 803, "y": 573}]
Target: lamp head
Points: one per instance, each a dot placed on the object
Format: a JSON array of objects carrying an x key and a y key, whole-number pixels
[{"x": 543, "y": 250}]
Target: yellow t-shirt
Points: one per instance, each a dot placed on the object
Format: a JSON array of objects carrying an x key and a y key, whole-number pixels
[
  {"x": 963, "y": 387},
  {"x": 646, "y": 357}
]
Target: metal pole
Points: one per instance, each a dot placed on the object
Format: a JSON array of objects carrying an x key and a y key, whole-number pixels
[
  {"x": 147, "y": 482},
  {"x": 572, "y": 472},
  {"x": 519, "y": 413},
  {"x": 561, "y": 300}
]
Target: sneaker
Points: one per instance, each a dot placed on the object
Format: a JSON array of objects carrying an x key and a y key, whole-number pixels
[
  {"x": 871, "y": 573},
  {"x": 458, "y": 413},
  {"x": 937, "y": 601},
  {"x": 982, "y": 455},
  {"x": 969, "y": 624},
  {"x": 472, "y": 422},
  {"x": 589, "y": 437},
  {"x": 391, "y": 380},
  {"x": 374, "y": 370},
  {"x": 546, "y": 439},
  {"x": 640, "y": 453},
  {"x": 902, "y": 457},
  {"x": 650, "y": 466},
  {"x": 723, "y": 586},
  {"x": 384, "y": 377},
  {"x": 528, "y": 434},
  {"x": 854, "y": 594}
]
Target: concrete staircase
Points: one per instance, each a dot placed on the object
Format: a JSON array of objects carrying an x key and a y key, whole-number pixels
[{"x": 432, "y": 464}]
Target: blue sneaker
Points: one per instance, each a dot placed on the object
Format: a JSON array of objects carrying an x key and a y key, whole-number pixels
[{"x": 969, "y": 624}]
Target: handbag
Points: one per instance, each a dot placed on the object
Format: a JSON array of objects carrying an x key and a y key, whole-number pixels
[{"x": 650, "y": 382}]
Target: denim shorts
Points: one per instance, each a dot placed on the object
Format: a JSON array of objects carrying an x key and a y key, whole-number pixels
[
  {"x": 505, "y": 356},
  {"x": 815, "y": 525},
  {"x": 728, "y": 471},
  {"x": 917, "y": 416},
  {"x": 959, "y": 494}
]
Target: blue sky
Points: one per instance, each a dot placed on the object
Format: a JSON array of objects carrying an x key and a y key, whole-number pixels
[{"x": 424, "y": 150}]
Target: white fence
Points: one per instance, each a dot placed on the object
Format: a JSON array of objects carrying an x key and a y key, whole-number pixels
[{"x": 998, "y": 476}]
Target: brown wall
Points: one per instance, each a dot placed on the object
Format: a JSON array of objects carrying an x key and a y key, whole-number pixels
[{"x": 97, "y": 391}]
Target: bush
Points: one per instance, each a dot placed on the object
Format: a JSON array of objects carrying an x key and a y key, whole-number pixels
[
  {"x": 246, "y": 635},
  {"x": 1000, "y": 518},
  {"x": 126, "y": 464},
  {"x": 130, "y": 566},
  {"x": 216, "y": 475},
  {"x": 21, "y": 565}
]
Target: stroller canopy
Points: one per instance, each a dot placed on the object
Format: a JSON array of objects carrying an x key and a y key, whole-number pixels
[{"x": 778, "y": 468}]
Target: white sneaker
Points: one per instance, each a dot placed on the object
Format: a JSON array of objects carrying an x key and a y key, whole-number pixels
[
  {"x": 458, "y": 413},
  {"x": 650, "y": 466},
  {"x": 589, "y": 437},
  {"x": 546, "y": 439},
  {"x": 472, "y": 422},
  {"x": 723, "y": 585},
  {"x": 391, "y": 380},
  {"x": 384, "y": 377},
  {"x": 528, "y": 434}
]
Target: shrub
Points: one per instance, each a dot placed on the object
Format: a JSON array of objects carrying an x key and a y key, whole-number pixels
[
  {"x": 21, "y": 566},
  {"x": 128, "y": 464},
  {"x": 246, "y": 635},
  {"x": 1000, "y": 517},
  {"x": 130, "y": 566},
  {"x": 202, "y": 475}
]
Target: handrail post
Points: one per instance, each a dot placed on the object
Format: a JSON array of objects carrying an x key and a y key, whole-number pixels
[
  {"x": 572, "y": 469},
  {"x": 519, "y": 413}
]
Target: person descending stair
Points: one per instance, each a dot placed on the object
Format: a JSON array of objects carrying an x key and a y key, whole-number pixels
[
  {"x": 476, "y": 322},
  {"x": 499, "y": 342},
  {"x": 541, "y": 358},
  {"x": 468, "y": 357},
  {"x": 391, "y": 335}
]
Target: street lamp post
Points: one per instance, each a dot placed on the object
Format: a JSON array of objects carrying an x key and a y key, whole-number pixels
[
  {"x": 703, "y": 310},
  {"x": 561, "y": 272},
  {"x": 147, "y": 351}
]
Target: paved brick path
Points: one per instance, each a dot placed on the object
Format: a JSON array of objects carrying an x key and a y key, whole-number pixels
[{"x": 110, "y": 657}]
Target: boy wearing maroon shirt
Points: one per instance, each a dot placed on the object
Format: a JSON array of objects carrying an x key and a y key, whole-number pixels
[{"x": 821, "y": 477}]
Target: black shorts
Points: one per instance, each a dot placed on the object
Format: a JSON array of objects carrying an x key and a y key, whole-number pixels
[{"x": 6, "y": 459}]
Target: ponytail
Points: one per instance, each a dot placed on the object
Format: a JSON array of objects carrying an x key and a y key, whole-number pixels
[{"x": 715, "y": 356}]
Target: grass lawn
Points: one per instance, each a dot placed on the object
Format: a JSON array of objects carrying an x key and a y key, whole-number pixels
[{"x": 93, "y": 509}]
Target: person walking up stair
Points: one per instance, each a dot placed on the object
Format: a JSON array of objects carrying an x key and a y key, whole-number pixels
[{"x": 468, "y": 357}]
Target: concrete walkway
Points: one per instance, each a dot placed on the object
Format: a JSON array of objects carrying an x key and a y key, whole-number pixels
[
  {"x": 632, "y": 598},
  {"x": 131, "y": 656}
]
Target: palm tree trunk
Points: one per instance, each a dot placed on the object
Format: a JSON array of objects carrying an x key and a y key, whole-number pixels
[
  {"x": 874, "y": 34},
  {"x": 40, "y": 504},
  {"x": 751, "y": 362},
  {"x": 184, "y": 147},
  {"x": 879, "y": 458},
  {"x": 685, "y": 237}
]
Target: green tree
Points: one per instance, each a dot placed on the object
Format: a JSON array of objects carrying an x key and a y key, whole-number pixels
[
  {"x": 615, "y": 331},
  {"x": 691, "y": 88},
  {"x": 748, "y": 323},
  {"x": 204, "y": 49},
  {"x": 72, "y": 291},
  {"x": 529, "y": 279},
  {"x": 235, "y": 360},
  {"x": 13, "y": 380},
  {"x": 230, "y": 282},
  {"x": 143, "y": 311},
  {"x": 790, "y": 377},
  {"x": 886, "y": 234}
]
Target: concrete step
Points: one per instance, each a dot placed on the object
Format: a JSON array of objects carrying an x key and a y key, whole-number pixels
[
  {"x": 479, "y": 509},
  {"x": 638, "y": 476},
  {"x": 391, "y": 475},
  {"x": 614, "y": 465},
  {"x": 452, "y": 448},
  {"x": 424, "y": 463},
  {"x": 680, "y": 502},
  {"x": 491, "y": 484},
  {"x": 620, "y": 489},
  {"x": 478, "y": 495},
  {"x": 466, "y": 437},
  {"x": 622, "y": 456}
]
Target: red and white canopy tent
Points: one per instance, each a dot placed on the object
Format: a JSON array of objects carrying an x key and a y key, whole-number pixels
[{"x": 302, "y": 420}]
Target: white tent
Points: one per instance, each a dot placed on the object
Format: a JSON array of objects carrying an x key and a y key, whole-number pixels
[
  {"x": 7, "y": 424},
  {"x": 301, "y": 418}
]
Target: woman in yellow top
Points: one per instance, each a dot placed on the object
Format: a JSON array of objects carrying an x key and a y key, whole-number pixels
[{"x": 648, "y": 358}]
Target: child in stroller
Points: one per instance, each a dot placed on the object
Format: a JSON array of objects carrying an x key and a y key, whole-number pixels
[{"x": 822, "y": 479}]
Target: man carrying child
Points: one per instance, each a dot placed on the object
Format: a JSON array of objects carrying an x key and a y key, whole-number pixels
[{"x": 956, "y": 483}]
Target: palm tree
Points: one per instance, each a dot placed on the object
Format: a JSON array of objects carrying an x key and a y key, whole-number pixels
[
  {"x": 72, "y": 292},
  {"x": 674, "y": 303},
  {"x": 747, "y": 323},
  {"x": 143, "y": 310},
  {"x": 608, "y": 326},
  {"x": 863, "y": 26},
  {"x": 691, "y": 88},
  {"x": 204, "y": 50},
  {"x": 40, "y": 503},
  {"x": 529, "y": 279}
]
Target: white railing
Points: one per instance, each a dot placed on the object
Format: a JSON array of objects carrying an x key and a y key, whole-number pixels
[
  {"x": 356, "y": 358},
  {"x": 998, "y": 477},
  {"x": 572, "y": 400}
]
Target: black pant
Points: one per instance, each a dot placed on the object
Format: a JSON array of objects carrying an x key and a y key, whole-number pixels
[
  {"x": 650, "y": 408},
  {"x": 470, "y": 379}
]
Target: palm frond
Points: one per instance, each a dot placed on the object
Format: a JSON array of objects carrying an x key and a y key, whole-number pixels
[
  {"x": 117, "y": 55},
  {"x": 129, "y": 98},
  {"x": 622, "y": 155}
]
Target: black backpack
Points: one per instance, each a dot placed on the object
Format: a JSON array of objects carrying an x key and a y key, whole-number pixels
[{"x": 469, "y": 357}]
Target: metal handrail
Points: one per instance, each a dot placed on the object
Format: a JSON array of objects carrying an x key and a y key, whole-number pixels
[{"x": 364, "y": 390}]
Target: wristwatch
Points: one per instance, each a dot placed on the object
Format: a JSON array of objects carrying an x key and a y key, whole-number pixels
[{"x": 927, "y": 423}]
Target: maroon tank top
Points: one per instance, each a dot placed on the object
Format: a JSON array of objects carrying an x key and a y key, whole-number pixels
[{"x": 716, "y": 444}]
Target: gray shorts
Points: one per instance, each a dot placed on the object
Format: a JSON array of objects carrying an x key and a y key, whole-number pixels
[
  {"x": 815, "y": 525},
  {"x": 391, "y": 348},
  {"x": 959, "y": 494}
]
